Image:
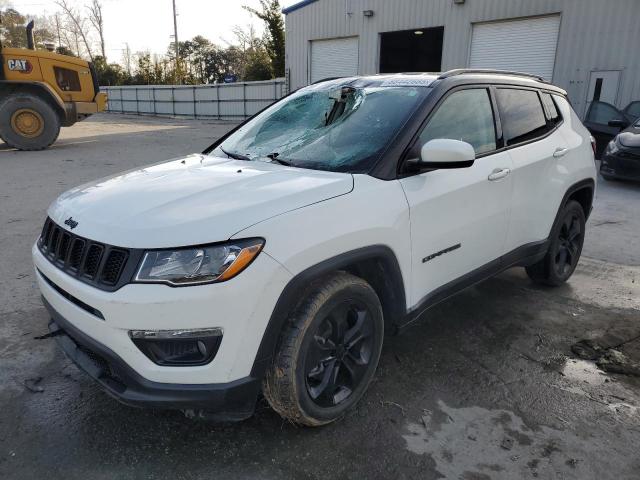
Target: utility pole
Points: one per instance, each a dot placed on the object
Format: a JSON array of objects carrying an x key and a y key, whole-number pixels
[
  {"x": 127, "y": 57},
  {"x": 175, "y": 37},
  {"x": 58, "y": 29}
]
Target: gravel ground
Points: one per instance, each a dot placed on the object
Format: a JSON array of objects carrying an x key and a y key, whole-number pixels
[{"x": 484, "y": 387}]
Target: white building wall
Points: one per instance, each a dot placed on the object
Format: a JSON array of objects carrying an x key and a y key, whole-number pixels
[{"x": 594, "y": 34}]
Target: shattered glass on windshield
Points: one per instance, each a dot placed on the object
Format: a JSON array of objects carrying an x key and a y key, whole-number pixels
[{"x": 327, "y": 127}]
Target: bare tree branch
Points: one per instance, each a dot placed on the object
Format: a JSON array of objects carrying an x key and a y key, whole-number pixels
[
  {"x": 96, "y": 19},
  {"x": 78, "y": 22}
]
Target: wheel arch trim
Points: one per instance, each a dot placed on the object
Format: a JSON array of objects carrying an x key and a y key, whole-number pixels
[
  {"x": 586, "y": 184},
  {"x": 294, "y": 290}
]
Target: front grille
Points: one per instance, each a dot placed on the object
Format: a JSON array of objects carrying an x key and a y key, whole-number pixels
[
  {"x": 77, "y": 252},
  {"x": 113, "y": 267},
  {"x": 631, "y": 155},
  {"x": 92, "y": 262},
  {"x": 101, "y": 265}
]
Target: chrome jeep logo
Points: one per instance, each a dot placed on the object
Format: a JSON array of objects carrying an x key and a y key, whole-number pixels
[
  {"x": 71, "y": 223},
  {"x": 18, "y": 65}
]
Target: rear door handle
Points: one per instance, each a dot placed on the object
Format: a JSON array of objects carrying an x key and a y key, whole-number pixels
[
  {"x": 499, "y": 173},
  {"x": 560, "y": 152}
]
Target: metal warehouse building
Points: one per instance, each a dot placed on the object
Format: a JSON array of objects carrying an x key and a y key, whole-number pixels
[{"x": 588, "y": 47}]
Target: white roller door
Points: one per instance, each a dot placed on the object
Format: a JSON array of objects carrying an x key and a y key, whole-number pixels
[
  {"x": 526, "y": 45},
  {"x": 337, "y": 57}
]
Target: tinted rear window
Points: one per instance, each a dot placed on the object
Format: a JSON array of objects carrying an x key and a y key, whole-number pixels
[{"x": 521, "y": 114}]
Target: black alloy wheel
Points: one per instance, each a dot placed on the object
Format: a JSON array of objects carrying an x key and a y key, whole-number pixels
[
  {"x": 328, "y": 352},
  {"x": 339, "y": 354},
  {"x": 570, "y": 239},
  {"x": 565, "y": 247}
]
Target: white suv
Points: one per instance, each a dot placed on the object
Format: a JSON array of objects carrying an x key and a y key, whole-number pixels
[{"x": 275, "y": 261}]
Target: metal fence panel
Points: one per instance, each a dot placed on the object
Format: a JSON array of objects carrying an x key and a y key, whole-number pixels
[{"x": 233, "y": 101}]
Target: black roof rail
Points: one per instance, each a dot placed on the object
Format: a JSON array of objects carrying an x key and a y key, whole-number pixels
[
  {"x": 461, "y": 71},
  {"x": 328, "y": 79}
]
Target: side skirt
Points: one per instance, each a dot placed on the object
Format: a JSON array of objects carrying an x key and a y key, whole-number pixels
[{"x": 521, "y": 256}]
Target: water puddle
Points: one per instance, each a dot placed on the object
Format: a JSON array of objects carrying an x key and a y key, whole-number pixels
[
  {"x": 584, "y": 371},
  {"x": 474, "y": 442}
]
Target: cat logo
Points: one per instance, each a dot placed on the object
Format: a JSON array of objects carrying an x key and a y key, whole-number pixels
[{"x": 17, "y": 65}]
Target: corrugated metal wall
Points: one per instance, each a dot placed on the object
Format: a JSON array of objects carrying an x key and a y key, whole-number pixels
[
  {"x": 232, "y": 101},
  {"x": 594, "y": 34}
]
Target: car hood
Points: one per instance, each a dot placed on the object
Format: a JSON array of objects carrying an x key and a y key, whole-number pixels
[
  {"x": 630, "y": 137},
  {"x": 191, "y": 200}
]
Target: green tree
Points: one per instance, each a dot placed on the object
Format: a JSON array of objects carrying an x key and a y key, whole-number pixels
[
  {"x": 64, "y": 50},
  {"x": 221, "y": 61},
  {"x": 144, "y": 71},
  {"x": 14, "y": 33},
  {"x": 258, "y": 65},
  {"x": 271, "y": 14},
  {"x": 109, "y": 74}
]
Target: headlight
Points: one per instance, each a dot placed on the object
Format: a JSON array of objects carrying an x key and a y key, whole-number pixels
[
  {"x": 197, "y": 265},
  {"x": 612, "y": 147}
]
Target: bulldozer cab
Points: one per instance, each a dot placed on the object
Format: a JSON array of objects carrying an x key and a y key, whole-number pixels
[{"x": 40, "y": 91}]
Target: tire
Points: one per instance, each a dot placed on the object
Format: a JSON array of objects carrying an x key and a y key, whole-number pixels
[
  {"x": 608, "y": 178},
  {"x": 318, "y": 345},
  {"x": 27, "y": 122},
  {"x": 567, "y": 239}
]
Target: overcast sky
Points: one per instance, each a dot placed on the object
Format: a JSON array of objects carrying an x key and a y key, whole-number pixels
[{"x": 148, "y": 24}]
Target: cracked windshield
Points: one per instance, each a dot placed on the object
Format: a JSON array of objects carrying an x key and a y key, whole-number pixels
[{"x": 326, "y": 127}]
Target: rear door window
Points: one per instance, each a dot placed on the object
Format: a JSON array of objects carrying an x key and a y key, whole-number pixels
[
  {"x": 521, "y": 114},
  {"x": 464, "y": 115}
]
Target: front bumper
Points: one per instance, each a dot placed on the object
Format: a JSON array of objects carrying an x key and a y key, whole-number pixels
[
  {"x": 624, "y": 165},
  {"x": 101, "y": 101},
  {"x": 240, "y": 307},
  {"x": 231, "y": 401}
]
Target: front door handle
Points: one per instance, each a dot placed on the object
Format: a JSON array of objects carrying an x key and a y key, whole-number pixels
[
  {"x": 560, "y": 152},
  {"x": 499, "y": 173}
]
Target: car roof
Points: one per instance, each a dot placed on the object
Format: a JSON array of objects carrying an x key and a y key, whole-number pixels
[{"x": 451, "y": 77}]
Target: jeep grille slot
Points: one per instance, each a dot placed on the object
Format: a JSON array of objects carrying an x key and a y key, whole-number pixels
[
  {"x": 113, "y": 266},
  {"x": 77, "y": 252},
  {"x": 63, "y": 247},
  {"x": 91, "y": 263},
  {"x": 97, "y": 264}
]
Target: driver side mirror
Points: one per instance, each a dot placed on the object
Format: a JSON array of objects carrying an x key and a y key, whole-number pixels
[
  {"x": 443, "y": 153},
  {"x": 618, "y": 123}
]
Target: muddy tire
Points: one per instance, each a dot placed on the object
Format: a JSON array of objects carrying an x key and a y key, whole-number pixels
[
  {"x": 567, "y": 239},
  {"x": 327, "y": 353},
  {"x": 27, "y": 122}
]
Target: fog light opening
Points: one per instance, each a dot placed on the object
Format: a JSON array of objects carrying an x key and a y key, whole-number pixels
[{"x": 178, "y": 347}]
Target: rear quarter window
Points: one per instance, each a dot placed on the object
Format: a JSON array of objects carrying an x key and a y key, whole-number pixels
[
  {"x": 521, "y": 114},
  {"x": 554, "y": 117}
]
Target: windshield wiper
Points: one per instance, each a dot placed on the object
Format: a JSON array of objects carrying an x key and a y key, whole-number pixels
[
  {"x": 235, "y": 156},
  {"x": 281, "y": 161}
]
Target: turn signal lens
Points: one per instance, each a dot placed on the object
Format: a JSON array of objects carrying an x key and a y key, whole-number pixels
[{"x": 244, "y": 258}]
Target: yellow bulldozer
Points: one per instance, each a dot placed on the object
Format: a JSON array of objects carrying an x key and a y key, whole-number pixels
[{"x": 41, "y": 91}]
